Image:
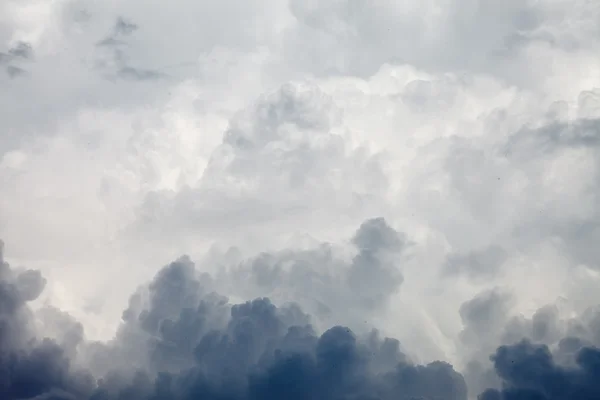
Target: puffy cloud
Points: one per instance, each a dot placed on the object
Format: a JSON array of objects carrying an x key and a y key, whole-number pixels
[
  {"x": 550, "y": 344},
  {"x": 181, "y": 340},
  {"x": 335, "y": 287},
  {"x": 529, "y": 372},
  {"x": 257, "y": 137},
  {"x": 30, "y": 366}
]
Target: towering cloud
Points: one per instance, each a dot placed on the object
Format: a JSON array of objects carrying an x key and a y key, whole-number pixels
[
  {"x": 428, "y": 169},
  {"x": 180, "y": 340},
  {"x": 333, "y": 287}
]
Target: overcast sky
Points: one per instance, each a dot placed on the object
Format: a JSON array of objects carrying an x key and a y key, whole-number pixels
[{"x": 430, "y": 168}]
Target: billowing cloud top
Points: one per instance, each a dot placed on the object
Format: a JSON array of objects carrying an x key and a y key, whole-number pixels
[
  {"x": 337, "y": 172},
  {"x": 180, "y": 340}
]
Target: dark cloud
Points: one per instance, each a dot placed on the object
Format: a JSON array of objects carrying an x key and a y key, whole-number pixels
[
  {"x": 525, "y": 214},
  {"x": 181, "y": 340},
  {"x": 488, "y": 323},
  {"x": 31, "y": 367},
  {"x": 529, "y": 372},
  {"x": 541, "y": 357},
  {"x": 16, "y": 289}
]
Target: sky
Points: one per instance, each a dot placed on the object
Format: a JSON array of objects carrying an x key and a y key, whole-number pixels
[{"x": 335, "y": 199}]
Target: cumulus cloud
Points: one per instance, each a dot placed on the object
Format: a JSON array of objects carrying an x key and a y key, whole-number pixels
[
  {"x": 529, "y": 371},
  {"x": 333, "y": 286},
  {"x": 428, "y": 168},
  {"x": 179, "y": 339}
]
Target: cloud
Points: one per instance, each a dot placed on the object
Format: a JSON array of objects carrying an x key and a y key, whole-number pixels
[
  {"x": 333, "y": 286},
  {"x": 536, "y": 352},
  {"x": 117, "y": 64},
  {"x": 259, "y": 137},
  {"x": 19, "y": 51},
  {"x": 529, "y": 371},
  {"x": 477, "y": 264},
  {"x": 30, "y": 367},
  {"x": 180, "y": 340}
]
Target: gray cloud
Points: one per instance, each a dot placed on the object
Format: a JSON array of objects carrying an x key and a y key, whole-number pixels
[
  {"x": 179, "y": 339},
  {"x": 136, "y": 131},
  {"x": 20, "y": 51},
  {"x": 334, "y": 288},
  {"x": 15, "y": 72},
  {"x": 530, "y": 371},
  {"x": 477, "y": 264},
  {"x": 562, "y": 343},
  {"x": 118, "y": 65},
  {"x": 185, "y": 341}
]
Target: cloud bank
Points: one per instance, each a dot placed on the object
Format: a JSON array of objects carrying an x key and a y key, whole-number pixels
[
  {"x": 181, "y": 340},
  {"x": 428, "y": 170}
]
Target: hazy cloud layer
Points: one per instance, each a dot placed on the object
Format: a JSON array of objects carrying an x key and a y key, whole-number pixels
[{"x": 429, "y": 168}]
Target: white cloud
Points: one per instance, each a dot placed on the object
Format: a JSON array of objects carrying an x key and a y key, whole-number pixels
[{"x": 134, "y": 132}]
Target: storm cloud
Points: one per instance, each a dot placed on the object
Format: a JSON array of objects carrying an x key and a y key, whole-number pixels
[
  {"x": 428, "y": 170},
  {"x": 181, "y": 340}
]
